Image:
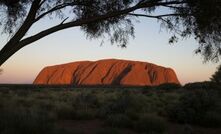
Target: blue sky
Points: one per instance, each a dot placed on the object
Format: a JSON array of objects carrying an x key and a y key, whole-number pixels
[{"x": 150, "y": 44}]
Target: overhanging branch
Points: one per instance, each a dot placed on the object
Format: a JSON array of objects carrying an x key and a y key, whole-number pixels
[
  {"x": 58, "y": 7},
  {"x": 19, "y": 41},
  {"x": 152, "y": 16},
  {"x": 161, "y": 17},
  {"x": 24, "y": 27},
  {"x": 92, "y": 19}
]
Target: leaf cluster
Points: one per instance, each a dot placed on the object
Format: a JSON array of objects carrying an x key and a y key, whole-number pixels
[
  {"x": 216, "y": 77},
  {"x": 12, "y": 14},
  {"x": 200, "y": 19}
]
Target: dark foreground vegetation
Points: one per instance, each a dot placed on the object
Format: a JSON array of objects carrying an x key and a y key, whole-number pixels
[{"x": 167, "y": 109}]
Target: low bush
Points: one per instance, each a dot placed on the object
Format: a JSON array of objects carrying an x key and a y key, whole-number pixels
[
  {"x": 25, "y": 121},
  {"x": 85, "y": 114},
  {"x": 108, "y": 131},
  {"x": 64, "y": 111},
  {"x": 211, "y": 119},
  {"x": 123, "y": 103},
  {"x": 202, "y": 85},
  {"x": 150, "y": 124},
  {"x": 168, "y": 86},
  {"x": 36, "y": 111},
  {"x": 119, "y": 120},
  {"x": 195, "y": 108}
]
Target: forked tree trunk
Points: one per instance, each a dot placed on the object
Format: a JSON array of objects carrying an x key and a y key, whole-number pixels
[{"x": 15, "y": 42}]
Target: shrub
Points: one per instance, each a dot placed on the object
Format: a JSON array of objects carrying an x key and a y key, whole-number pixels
[
  {"x": 132, "y": 114},
  {"x": 108, "y": 131},
  {"x": 216, "y": 77},
  {"x": 169, "y": 86},
  {"x": 84, "y": 114},
  {"x": 25, "y": 121},
  {"x": 88, "y": 99},
  {"x": 64, "y": 111},
  {"x": 195, "y": 107},
  {"x": 211, "y": 119},
  {"x": 119, "y": 120},
  {"x": 151, "y": 124},
  {"x": 201, "y": 85},
  {"x": 123, "y": 103}
]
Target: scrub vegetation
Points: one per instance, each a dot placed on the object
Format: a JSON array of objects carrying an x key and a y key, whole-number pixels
[{"x": 150, "y": 110}]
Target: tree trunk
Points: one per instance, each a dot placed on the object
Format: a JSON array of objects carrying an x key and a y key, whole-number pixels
[
  {"x": 14, "y": 44},
  {"x": 8, "y": 51}
]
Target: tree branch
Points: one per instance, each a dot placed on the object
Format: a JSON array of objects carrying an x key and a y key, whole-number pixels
[
  {"x": 64, "y": 21},
  {"x": 151, "y": 16},
  {"x": 160, "y": 17},
  {"x": 174, "y": 7},
  {"x": 142, "y": 4},
  {"x": 24, "y": 27},
  {"x": 17, "y": 42},
  {"x": 154, "y": 3},
  {"x": 77, "y": 23},
  {"x": 91, "y": 20},
  {"x": 28, "y": 21},
  {"x": 58, "y": 7},
  {"x": 43, "y": 1}
]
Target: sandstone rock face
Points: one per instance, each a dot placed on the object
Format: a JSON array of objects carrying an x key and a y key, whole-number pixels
[{"x": 109, "y": 72}]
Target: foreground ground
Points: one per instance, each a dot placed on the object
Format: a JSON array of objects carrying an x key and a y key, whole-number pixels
[{"x": 167, "y": 109}]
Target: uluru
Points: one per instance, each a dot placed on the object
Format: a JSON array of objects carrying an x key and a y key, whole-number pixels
[{"x": 107, "y": 72}]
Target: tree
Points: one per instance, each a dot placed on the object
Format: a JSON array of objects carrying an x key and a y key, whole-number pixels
[
  {"x": 216, "y": 77},
  {"x": 99, "y": 18}
]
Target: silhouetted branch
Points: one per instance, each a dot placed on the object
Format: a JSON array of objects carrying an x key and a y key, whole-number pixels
[
  {"x": 152, "y": 16},
  {"x": 64, "y": 21},
  {"x": 58, "y": 7}
]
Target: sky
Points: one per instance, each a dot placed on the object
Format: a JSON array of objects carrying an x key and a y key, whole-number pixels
[{"x": 149, "y": 45}]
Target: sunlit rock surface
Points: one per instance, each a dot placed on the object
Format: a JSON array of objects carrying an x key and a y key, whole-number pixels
[{"x": 109, "y": 72}]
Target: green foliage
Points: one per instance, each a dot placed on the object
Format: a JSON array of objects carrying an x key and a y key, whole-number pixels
[
  {"x": 202, "y": 19},
  {"x": 201, "y": 85},
  {"x": 108, "y": 131},
  {"x": 21, "y": 120},
  {"x": 211, "y": 119},
  {"x": 199, "y": 107},
  {"x": 145, "y": 112},
  {"x": 13, "y": 13},
  {"x": 124, "y": 103},
  {"x": 113, "y": 19},
  {"x": 216, "y": 77},
  {"x": 64, "y": 110},
  {"x": 119, "y": 120},
  {"x": 169, "y": 86},
  {"x": 151, "y": 124}
]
